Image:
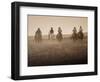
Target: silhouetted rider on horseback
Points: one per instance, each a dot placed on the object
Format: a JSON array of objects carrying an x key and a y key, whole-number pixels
[
  {"x": 59, "y": 36},
  {"x": 38, "y": 35},
  {"x": 51, "y": 34},
  {"x": 74, "y": 30},
  {"x": 80, "y": 33},
  {"x": 74, "y": 34}
]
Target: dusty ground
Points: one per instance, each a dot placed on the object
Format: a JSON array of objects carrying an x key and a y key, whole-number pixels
[{"x": 53, "y": 52}]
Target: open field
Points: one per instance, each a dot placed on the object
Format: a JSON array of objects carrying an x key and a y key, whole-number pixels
[{"x": 52, "y": 52}]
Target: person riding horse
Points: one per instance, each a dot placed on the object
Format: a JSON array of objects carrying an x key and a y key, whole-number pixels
[
  {"x": 74, "y": 35},
  {"x": 80, "y": 33},
  {"x": 51, "y": 34},
  {"x": 59, "y": 36},
  {"x": 38, "y": 35}
]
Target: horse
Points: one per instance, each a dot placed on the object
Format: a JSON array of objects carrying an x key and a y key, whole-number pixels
[
  {"x": 59, "y": 36},
  {"x": 74, "y": 36},
  {"x": 38, "y": 37},
  {"x": 80, "y": 35},
  {"x": 51, "y": 36}
]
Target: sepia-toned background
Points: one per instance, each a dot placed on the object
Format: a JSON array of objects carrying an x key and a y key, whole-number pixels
[
  {"x": 66, "y": 23},
  {"x": 50, "y": 51}
]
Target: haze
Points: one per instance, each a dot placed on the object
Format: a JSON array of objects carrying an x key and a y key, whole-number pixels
[{"x": 67, "y": 23}]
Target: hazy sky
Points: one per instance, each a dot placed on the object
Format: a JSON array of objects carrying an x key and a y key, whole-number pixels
[{"x": 46, "y": 22}]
